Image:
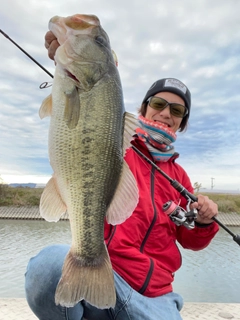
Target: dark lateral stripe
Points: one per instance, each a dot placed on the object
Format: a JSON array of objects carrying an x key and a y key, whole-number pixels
[{"x": 144, "y": 287}]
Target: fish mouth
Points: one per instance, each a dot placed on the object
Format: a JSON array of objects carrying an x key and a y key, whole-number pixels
[
  {"x": 82, "y": 21},
  {"x": 70, "y": 75},
  {"x": 79, "y": 22}
]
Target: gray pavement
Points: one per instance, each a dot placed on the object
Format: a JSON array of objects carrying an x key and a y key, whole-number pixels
[
  {"x": 17, "y": 309},
  {"x": 32, "y": 213}
]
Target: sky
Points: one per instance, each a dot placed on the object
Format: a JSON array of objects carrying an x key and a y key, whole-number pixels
[{"x": 197, "y": 42}]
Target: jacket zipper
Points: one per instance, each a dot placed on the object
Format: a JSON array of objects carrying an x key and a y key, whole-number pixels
[
  {"x": 154, "y": 211},
  {"x": 150, "y": 271},
  {"x": 111, "y": 234},
  {"x": 146, "y": 282}
]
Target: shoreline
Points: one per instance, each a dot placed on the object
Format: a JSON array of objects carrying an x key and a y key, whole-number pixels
[
  {"x": 32, "y": 213},
  {"x": 17, "y": 308}
]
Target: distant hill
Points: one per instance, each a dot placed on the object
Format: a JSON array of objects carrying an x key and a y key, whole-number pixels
[
  {"x": 22, "y": 185},
  {"x": 40, "y": 185}
]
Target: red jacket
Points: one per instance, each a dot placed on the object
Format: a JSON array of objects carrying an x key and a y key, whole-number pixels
[{"x": 143, "y": 249}]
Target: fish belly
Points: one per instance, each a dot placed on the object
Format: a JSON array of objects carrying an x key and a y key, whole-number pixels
[{"x": 87, "y": 163}]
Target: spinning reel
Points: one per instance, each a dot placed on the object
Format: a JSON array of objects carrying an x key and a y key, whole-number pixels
[
  {"x": 177, "y": 214},
  {"x": 180, "y": 216}
]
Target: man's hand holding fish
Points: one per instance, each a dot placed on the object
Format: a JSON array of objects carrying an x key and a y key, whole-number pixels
[{"x": 124, "y": 253}]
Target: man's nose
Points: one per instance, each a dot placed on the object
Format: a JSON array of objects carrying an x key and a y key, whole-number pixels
[{"x": 165, "y": 112}]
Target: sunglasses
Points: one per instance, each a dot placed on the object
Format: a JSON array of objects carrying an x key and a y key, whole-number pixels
[{"x": 176, "y": 109}]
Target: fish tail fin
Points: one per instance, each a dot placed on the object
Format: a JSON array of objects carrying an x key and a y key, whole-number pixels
[{"x": 91, "y": 281}]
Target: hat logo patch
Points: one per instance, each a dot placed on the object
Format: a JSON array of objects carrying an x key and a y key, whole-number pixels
[{"x": 175, "y": 84}]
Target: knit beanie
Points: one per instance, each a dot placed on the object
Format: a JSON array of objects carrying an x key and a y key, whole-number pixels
[{"x": 170, "y": 85}]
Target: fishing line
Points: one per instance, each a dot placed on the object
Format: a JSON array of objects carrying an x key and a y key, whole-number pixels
[
  {"x": 45, "y": 85},
  {"x": 174, "y": 183},
  {"x": 27, "y": 54},
  {"x": 185, "y": 193}
]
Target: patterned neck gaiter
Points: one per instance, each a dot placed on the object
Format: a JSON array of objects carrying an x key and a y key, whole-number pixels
[{"x": 158, "y": 138}]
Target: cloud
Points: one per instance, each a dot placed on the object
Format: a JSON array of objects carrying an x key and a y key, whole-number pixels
[{"x": 197, "y": 42}]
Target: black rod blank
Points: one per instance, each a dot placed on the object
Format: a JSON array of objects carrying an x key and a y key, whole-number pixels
[
  {"x": 185, "y": 193},
  {"x": 27, "y": 54}
]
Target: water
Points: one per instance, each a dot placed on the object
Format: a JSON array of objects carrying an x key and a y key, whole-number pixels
[
  {"x": 210, "y": 275},
  {"x": 20, "y": 240}
]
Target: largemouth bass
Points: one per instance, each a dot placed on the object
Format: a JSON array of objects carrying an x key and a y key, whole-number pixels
[{"x": 88, "y": 135}]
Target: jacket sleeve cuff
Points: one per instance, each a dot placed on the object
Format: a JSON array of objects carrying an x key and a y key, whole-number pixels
[{"x": 202, "y": 225}]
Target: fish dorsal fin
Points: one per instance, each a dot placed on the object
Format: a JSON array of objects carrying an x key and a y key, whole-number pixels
[
  {"x": 130, "y": 125},
  {"x": 52, "y": 206},
  {"x": 125, "y": 198},
  {"x": 72, "y": 108},
  {"x": 46, "y": 107}
]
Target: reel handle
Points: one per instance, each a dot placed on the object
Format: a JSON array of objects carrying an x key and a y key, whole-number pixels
[{"x": 188, "y": 195}]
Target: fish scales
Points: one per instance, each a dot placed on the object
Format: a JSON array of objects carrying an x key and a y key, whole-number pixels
[
  {"x": 86, "y": 148},
  {"x": 83, "y": 164}
]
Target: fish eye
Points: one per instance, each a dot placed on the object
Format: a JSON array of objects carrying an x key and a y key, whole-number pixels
[{"x": 100, "y": 40}]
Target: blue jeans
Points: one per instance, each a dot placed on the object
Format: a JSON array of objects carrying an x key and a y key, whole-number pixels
[{"x": 44, "y": 272}]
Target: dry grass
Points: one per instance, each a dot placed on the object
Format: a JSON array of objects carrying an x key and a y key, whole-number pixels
[
  {"x": 226, "y": 202},
  {"x": 30, "y": 197},
  {"x": 19, "y": 196}
]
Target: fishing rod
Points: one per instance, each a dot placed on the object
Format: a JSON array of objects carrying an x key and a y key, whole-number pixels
[
  {"x": 27, "y": 54},
  {"x": 178, "y": 216}
]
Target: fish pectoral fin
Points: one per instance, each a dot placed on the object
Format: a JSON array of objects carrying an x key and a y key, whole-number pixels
[
  {"x": 130, "y": 125},
  {"x": 125, "y": 198},
  {"x": 46, "y": 107},
  {"x": 72, "y": 108},
  {"x": 51, "y": 205}
]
